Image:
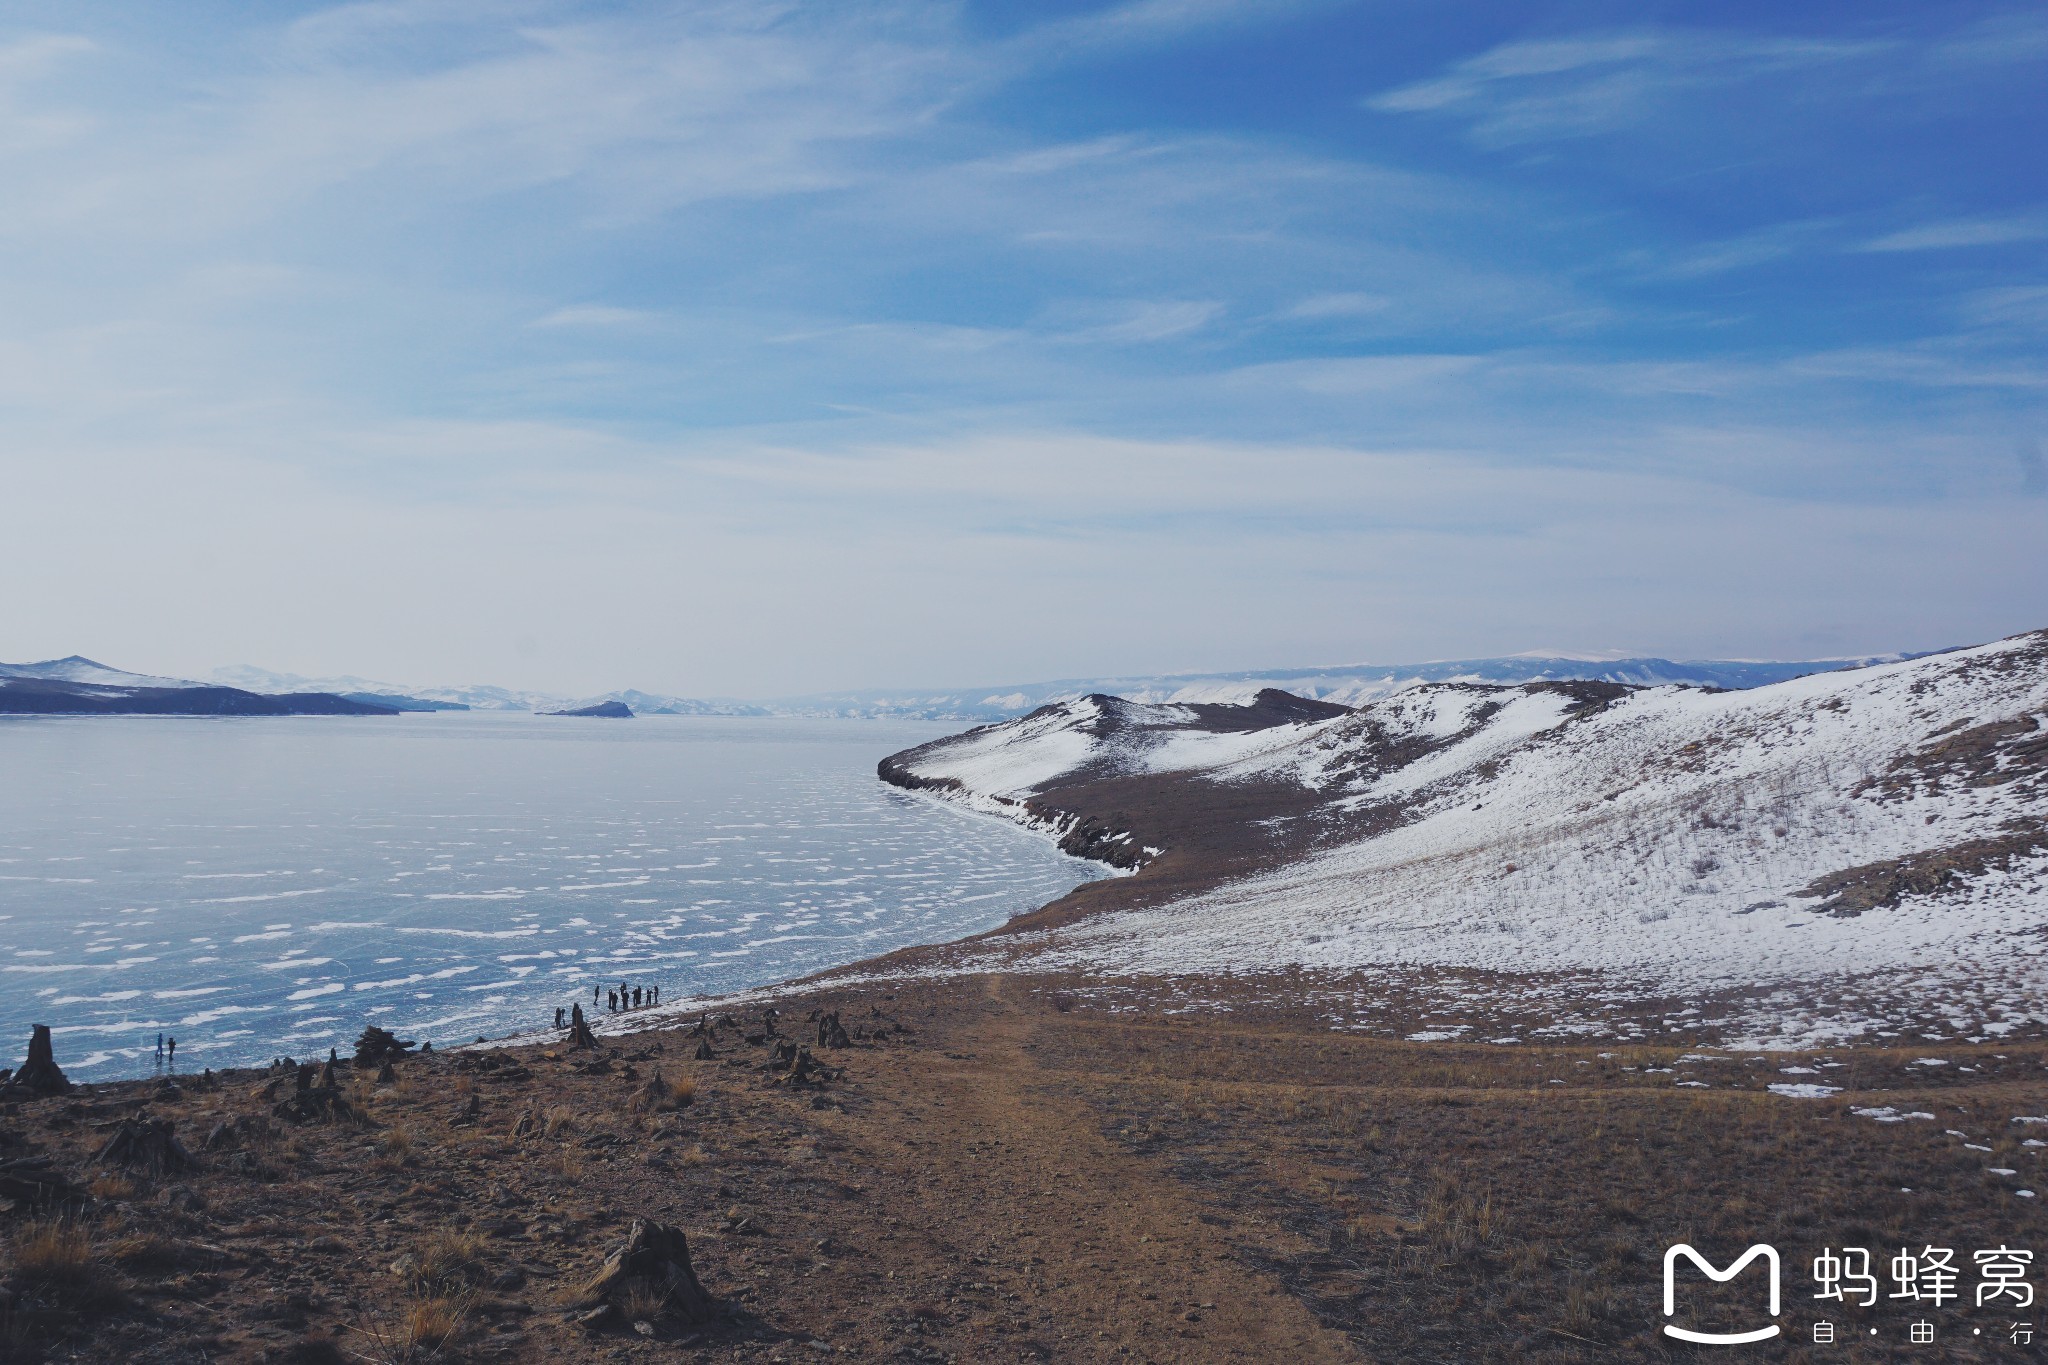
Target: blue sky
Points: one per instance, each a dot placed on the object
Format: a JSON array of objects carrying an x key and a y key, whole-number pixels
[{"x": 752, "y": 348}]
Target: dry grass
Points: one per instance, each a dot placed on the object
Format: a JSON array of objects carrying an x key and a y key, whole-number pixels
[
  {"x": 433, "y": 1323},
  {"x": 643, "y": 1302},
  {"x": 427, "y": 1329},
  {"x": 144, "y": 1250},
  {"x": 113, "y": 1187},
  {"x": 558, "y": 1122},
  {"x": 395, "y": 1149},
  {"x": 661, "y": 1095},
  {"x": 447, "y": 1258},
  {"x": 57, "y": 1252}
]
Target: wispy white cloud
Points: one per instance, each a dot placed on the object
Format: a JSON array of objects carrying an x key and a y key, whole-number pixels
[
  {"x": 1598, "y": 83},
  {"x": 593, "y": 315},
  {"x": 1349, "y": 304},
  {"x": 1961, "y": 232},
  {"x": 1760, "y": 246},
  {"x": 1151, "y": 320}
]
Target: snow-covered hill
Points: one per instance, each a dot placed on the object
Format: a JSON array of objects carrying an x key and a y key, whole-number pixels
[{"x": 1884, "y": 823}]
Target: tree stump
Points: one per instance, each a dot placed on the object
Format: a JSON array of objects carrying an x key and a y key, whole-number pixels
[
  {"x": 704, "y": 1052},
  {"x": 309, "y": 1101},
  {"x": 40, "y": 1074},
  {"x": 580, "y": 1035},
  {"x": 655, "y": 1259},
  {"x": 144, "y": 1144},
  {"x": 387, "y": 1074},
  {"x": 832, "y": 1033}
]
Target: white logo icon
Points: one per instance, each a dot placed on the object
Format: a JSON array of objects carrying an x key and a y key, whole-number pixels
[{"x": 1770, "y": 1256}]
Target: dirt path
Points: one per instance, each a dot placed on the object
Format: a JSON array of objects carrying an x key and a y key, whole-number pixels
[{"x": 1067, "y": 1249}]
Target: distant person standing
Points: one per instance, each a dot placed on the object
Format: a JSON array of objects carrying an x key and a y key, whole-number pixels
[
  {"x": 174, "y": 1051},
  {"x": 636, "y": 997},
  {"x": 159, "y": 1046},
  {"x": 558, "y": 1016},
  {"x": 656, "y": 1000},
  {"x": 594, "y": 991}
]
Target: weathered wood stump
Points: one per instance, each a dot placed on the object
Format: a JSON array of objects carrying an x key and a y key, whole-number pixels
[
  {"x": 308, "y": 1101},
  {"x": 580, "y": 1035},
  {"x": 831, "y": 1033},
  {"x": 704, "y": 1052},
  {"x": 387, "y": 1074},
  {"x": 40, "y": 1074},
  {"x": 144, "y": 1144},
  {"x": 656, "y": 1260}
]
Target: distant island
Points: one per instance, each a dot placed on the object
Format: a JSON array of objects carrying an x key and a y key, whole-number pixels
[
  {"x": 609, "y": 710},
  {"x": 397, "y": 702}
]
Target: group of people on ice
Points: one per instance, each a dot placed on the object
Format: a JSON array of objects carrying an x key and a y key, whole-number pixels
[{"x": 615, "y": 999}]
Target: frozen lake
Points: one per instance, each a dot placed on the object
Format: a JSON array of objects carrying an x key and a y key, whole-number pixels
[{"x": 257, "y": 887}]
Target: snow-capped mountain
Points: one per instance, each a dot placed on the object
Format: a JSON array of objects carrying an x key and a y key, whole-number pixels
[
  {"x": 1886, "y": 826},
  {"x": 1348, "y": 684},
  {"x": 77, "y": 668}
]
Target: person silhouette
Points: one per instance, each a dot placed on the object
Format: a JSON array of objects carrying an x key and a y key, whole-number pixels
[
  {"x": 174, "y": 1051},
  {"x": 159, "y": 1046}
]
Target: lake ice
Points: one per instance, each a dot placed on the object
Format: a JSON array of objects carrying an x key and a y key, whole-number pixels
[{"x": 257, "y": 887}]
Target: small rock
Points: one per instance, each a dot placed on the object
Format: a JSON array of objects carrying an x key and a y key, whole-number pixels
[
  {"x": 326, "y": 1244},
  {"x": 506, "y": 1280},
  {"x": 644, "y": 1328}
]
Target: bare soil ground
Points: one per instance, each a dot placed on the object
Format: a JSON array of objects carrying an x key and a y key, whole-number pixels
[{"x": 1016, "y": 1171}]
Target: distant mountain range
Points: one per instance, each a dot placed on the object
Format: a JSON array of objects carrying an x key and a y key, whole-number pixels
[
  {"x": 1346, "y": 685},
  {"x": 80, "y": 684}
]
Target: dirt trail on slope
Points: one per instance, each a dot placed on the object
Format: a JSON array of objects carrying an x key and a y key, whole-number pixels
[{"x": 1075, "y": 1251}]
